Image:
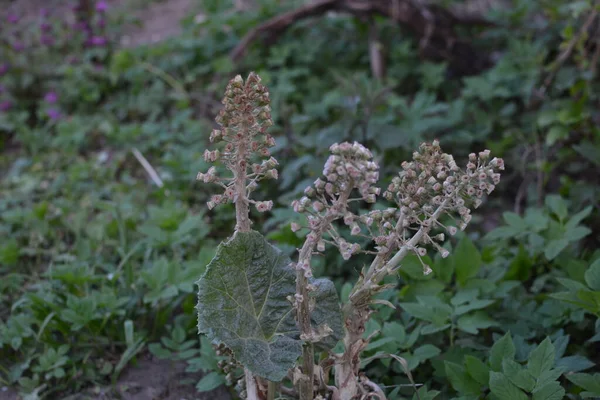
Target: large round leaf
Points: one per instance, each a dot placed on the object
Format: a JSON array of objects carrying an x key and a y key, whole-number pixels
[{"x": 242, "y": 302}]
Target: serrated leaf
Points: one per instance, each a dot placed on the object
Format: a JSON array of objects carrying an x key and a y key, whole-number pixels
[
  {"x": 503, "y": 388},
  {"x": 503, "y": 348},
  {"x": 518, "y": 375},
  {"x": 547, "y": 377},
  {"x": 242, "y": 302},
  {"x": 541, "y": 358},
  {"x": 550, "y": 391},
  {"x": 477, "y": 369},
  {"x": 460, "y": 380}
]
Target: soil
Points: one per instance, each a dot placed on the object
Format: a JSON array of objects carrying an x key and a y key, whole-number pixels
[{"x": 151, "y": 379}]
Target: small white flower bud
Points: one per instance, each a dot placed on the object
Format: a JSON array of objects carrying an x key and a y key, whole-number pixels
[
  {"x": 421, "y": 251},
  {"x": 452, "y": 230},
  {"x": 263, "y": 206},
  {"x": 355, "y": 229},
  {"x": 272, "y": 174},
  {"x": 318, "y": 206},
  {"x": 295, "y": 227},
  {"x": 321, "y": 245}
]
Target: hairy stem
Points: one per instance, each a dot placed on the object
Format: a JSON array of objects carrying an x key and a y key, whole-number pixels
[
  {"x": 242, "y": 218},
  {"x": 356, "y": 311},
  {"x": 303, "y": 313},
  {"x": 242, "y": 209}
]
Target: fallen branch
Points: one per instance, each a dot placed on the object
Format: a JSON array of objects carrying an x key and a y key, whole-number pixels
[{"x": 432, "y": 24}]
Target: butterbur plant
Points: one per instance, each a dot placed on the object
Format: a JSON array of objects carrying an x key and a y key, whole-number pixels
[{"x": 268, "y": 311}]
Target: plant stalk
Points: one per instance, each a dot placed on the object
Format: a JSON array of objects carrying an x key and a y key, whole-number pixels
[
  {"x": 306, "y": 387},
  {"x": 356, "y": 311}
]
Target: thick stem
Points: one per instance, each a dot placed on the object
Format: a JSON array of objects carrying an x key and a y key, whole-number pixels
[
  {"x": 242, "y": 209},
  {"x": 251, "y": 388},
  {"x": 303, "y": 313},
  {"x": 242, "y": 219},
  {"x": 272, "y": 390},
  {"x": 356, "y": 312}
]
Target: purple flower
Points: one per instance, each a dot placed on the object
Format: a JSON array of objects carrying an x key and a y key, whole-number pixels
[
  {"x": 13, "y": 19},
  {"x": 5, "y": 105},
  {"x": 101, "y": 6},
  {"x": 47, "y": 40},
  {"x": 44, "y": 13},
  {"x": 51, "y": 97},
  {"x": 45, "y": 27},
  {"x": 98, "y": 41},
  {"x": 4, "y": 68},
  {"x": 101, "y": 23},
  {"x": 83, "y": 26},
  {"x": 2, "y": 89},
  {"x": 53, "y": 113},
  {"x": 18, "y": 46}
]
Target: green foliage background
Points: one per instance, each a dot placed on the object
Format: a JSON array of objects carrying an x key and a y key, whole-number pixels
[{"x": 98, "y": 264}]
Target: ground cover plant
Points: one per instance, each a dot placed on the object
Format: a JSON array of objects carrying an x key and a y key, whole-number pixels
[{"x": 104, "y": 234}]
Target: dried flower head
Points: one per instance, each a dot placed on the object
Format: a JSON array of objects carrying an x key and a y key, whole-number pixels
[
  {"x": 431, "y": 185},
  {"x": 244, "y": 121}
]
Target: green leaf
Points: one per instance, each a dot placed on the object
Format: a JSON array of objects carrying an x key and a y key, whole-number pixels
[
  {"x": 515, "y": 221},
  {"x": 555, "y": 133},
  {"x": 518, "y": 375},
  {"x": 557, "y": 205},
  {"x": 436, "y": 315},
  {"x": 589, "y": 382},
  {"x": 460, "y": 380},
  {"x": 464, "y": 296},
  {"x": 424, "y": 394},
  {"x": 554, "y": 247},
  {"x": 503, "y": 348},
  {"x": 592, "y": 276},
  {"x": 541, "y": 359},
  {"x": 242, "y": 302},
  {"x": 574, "y": 364},
  {"x": 209, "y": 382},
  {"x": 471, "y": 323},
  {"x": 426, "y": 352},
  {"x": 327, "y": 311},
  {"x": 577, "y": 218},
  {"x": 467, "y": 260},
  {"x": 547, "y": 377},
  {"x": 503, "y": 388},
  {"x": 474, "y": 305},
  {"x": 550, "y": 391},
  {"x": 477, "y": 369}
]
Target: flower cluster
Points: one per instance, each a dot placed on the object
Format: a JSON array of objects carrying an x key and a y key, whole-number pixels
[
  {"x": 244, "y": 120},
  {"x": 350, "y": 166},
  {"x": 432, "y": 185}
]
